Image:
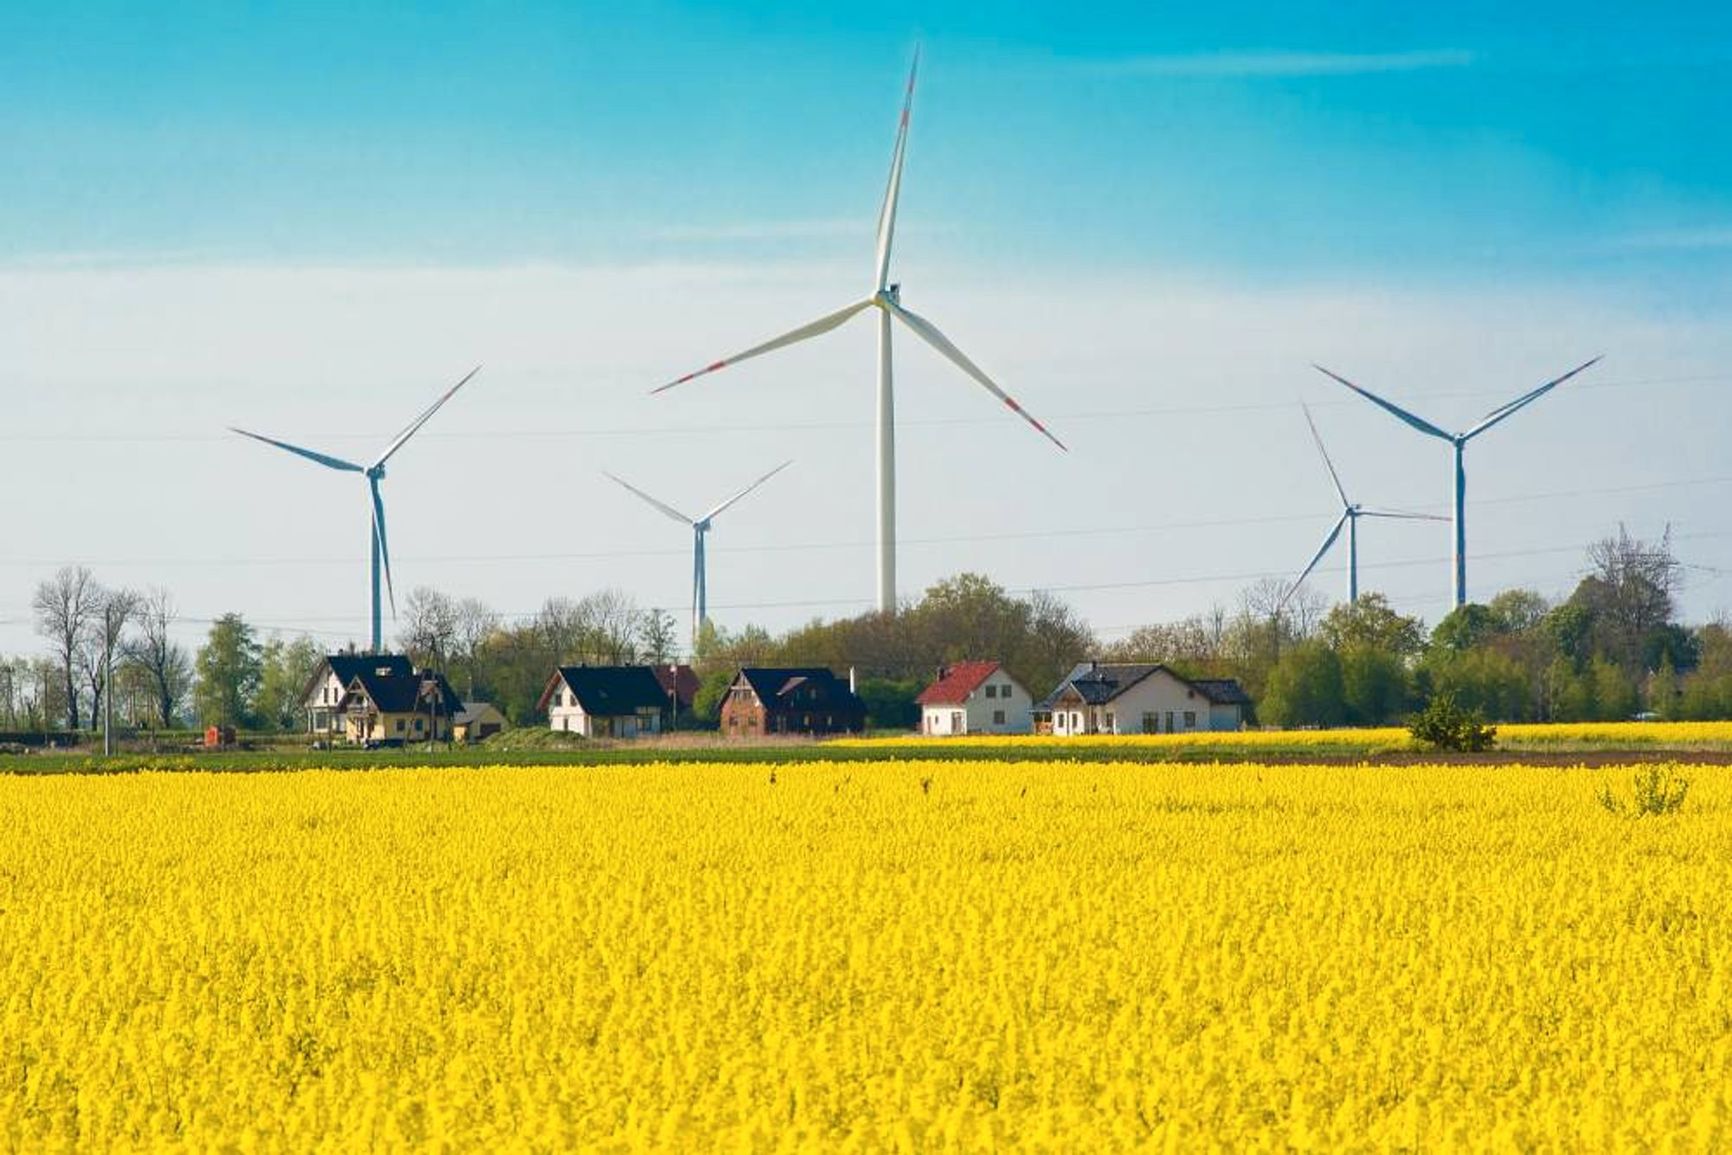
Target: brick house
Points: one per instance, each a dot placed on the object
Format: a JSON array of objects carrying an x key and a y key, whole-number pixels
[{"x": 800, "y": 700}]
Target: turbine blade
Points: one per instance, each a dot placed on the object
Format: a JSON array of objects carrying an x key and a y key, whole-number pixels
[
  {"x": 1328, "y": 464},
  {"x": 1401, "y": 515},
  {"x": 893, "y": 187},
  {"x": 667, "y": 509},
  {"x": 311, "y": 455},
  {"x": 384, "y": 546},
  {"x": 1528, "y": 398},
  {"x": 822, "y": 325},
  {"x": 718, "y": 509},
  {"x": 929, "y": 333},
  {"x": 1315, "y": 558},
  {"x": 423, "y": 418},
  {"x": 1418, "y": 423}
]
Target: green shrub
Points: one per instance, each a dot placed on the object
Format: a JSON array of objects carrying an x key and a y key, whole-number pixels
[
  {"x": 1443, "y": 725},
  {"x": 1655, "y": 790}
]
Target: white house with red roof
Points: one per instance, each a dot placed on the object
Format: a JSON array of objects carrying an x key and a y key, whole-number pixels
[{"x": 975, "y": 698}]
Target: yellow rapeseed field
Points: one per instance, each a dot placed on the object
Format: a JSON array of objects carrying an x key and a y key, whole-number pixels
[
  {"x": 1537, "y": 736},
  {"x": 860, "y": 957}
]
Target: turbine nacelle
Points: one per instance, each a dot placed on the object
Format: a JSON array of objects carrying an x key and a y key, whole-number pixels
[
  {"x": 886, "y": 297},
  {"x": 374, "y": 473}
]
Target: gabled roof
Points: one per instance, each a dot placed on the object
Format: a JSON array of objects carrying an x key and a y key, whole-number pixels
[
  {"x": 956, "y": 682},
  {"x": 1097, "y": 683},
  {"x": 393, "y": 692},
  {"x": 771, "y": 683},
  {"x": 1222, "y": 691},
  {"x": 680, "y": 681},
  {"x": 474, "y": 710},
  {"x": 609, "y": 691},
  {"x": 346, "y": 666}
]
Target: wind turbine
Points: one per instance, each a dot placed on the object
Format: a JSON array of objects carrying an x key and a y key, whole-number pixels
[
  {"x": 887, "y": 299},
  {"x": 1459, "y": 441},
  {"x": 375, "y": 473},
  {"x": 1351, "y": 512},
  {"x": 700, "y": 529}
]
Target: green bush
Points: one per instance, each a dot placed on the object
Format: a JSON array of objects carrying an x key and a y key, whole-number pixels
[
  {"x": 1654, "y": 791},
  {"x": 1443, "y": 725}
]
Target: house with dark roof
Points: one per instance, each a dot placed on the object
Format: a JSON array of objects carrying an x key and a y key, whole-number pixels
[
  {"x": 329, "y": 681},
  {"x": 975, "y": 698},
  {"x": 790, "y": 700},
  {"x": 605, "y": 701},
  {"x": 1139, "y": 698},
  {"x": 383, "y": 705}
]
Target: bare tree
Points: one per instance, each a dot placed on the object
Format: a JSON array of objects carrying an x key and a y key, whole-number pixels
[
  {"x": 115, "y": 608},
  {"x": 430, "y": 629},
  {"x": 1630, "y": 593},
  {"x": 612, "y": 617},
  {"x": 475, "y": 624},
  {"x": 167, "y": 667},
  {"x": 65, "y": 606}
]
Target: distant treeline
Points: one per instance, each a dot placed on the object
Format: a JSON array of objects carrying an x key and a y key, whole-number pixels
[{"x": 1610, "y": 650}]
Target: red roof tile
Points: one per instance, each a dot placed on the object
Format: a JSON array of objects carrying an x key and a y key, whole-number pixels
[{"x": 956, "y": 683}]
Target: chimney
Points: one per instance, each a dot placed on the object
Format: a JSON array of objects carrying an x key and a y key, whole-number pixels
[{"x": 851, "y": 680}]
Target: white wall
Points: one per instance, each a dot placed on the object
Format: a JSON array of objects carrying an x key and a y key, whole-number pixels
[
  {"x": 979, "y": 714},
  {"x": 1158, "y": 694}
]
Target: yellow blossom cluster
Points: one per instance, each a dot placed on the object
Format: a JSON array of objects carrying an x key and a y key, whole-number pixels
[
  {"x": 1612, "y": 735},
  {"x": 860, "y": 956}
]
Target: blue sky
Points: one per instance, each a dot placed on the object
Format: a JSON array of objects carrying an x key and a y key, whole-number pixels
[
  {"x": 1266, "y": 136},
  {"x": 1146, "y": 222}
]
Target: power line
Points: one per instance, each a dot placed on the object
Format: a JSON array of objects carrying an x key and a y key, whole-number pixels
[{"x": 801, "y": 547}]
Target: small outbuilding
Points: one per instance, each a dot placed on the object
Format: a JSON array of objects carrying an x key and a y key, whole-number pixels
[
  {"x": 605, "y": 701},
  {"x": 477, "y": 720},
  {"x": 975, "y": 698}
]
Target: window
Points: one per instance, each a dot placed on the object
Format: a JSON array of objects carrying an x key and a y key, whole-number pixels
[
  {"x": 1004, "y": 690},
  {"x": 399, "y": 725},
  {"x": 998, "y": 717},
  {"x": 1151, "y": 722},
  {"x": 1190, "y": 719},
  {"x": 418, "y": 726},
  {"x": 1112, "y": 726},
  {"x": 1169, "y": 721},
  {"x": 991, "y": 690}
]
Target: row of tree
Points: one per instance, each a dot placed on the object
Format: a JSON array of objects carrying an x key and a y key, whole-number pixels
[{"x": 1612, "y": 649}]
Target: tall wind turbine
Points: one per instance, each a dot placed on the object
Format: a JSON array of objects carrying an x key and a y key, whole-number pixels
[
  {"x": 1351, "y": 512},
  {"x": 1459, "y": 441},
  {"x": 887, "y": 299},
  {"x": 700, "y": 529},
  {"x": 375, "y": 473}
]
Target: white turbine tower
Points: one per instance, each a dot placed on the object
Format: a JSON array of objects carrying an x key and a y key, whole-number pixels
[
  {"x": 375, "y": 473},
  {"x": 1351, "y": 512},
  {"x": 886, "y": 298},
  {"x": 700, "y": 527},
  {"x": 1459, "y": 441}
]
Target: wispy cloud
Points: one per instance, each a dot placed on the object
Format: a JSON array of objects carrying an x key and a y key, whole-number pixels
[{"x": 1226, "y": 65}]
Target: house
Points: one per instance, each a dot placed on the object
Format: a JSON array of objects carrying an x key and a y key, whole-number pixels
[
  {"x": 1134, "y": 698},
  {"x": 680, "y": 683},
  {"x": 605, "y": 701},
  {"x": 330, "y": 680},
  {"x": 475, "y": 721},
  {"x": 383, "y": 705},
  {"x": 975, "y": 698},
  {"x": 802, "y": 700}
]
